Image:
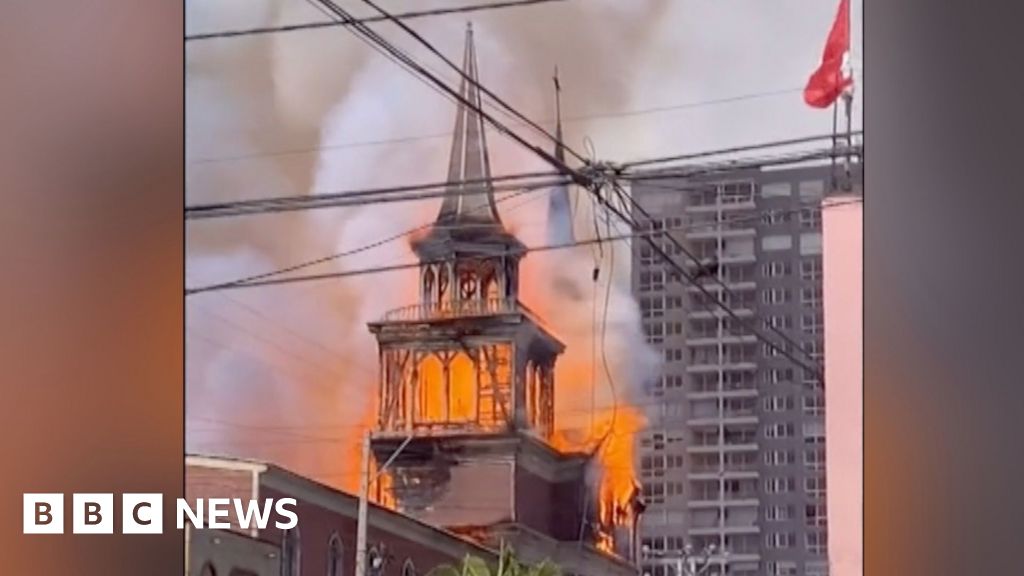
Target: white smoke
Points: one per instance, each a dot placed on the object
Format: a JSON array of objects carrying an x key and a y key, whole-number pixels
[{"x": 300, "y": 365}]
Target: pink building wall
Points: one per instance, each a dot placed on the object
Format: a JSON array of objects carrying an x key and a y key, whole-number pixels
[{"x": 842, "y": 243}]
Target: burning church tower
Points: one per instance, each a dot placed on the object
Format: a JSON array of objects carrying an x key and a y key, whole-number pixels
[{"x": 467, "y": 388}]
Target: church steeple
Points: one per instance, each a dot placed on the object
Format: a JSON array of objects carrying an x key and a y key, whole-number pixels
[
  {"x": 559, "y": 210},
  {"x": 471, "y": 203}
]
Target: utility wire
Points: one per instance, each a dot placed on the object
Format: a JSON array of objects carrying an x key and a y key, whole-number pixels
[
  {"x": 335, "y": 256},
  {"x": 679, "y": 246},
  {"x": 747, "y": 148},
  {"x": 467, "y": 78},
  {"x": 586, "y": 180},
  {"x": 692, "y": 280},
  {"x": 418, "y": 192},
  {"x": 566, "y": 120},
  {"x": 373, "y": 38},
  {"x": 369, "y": 196},
  {"x": 370, "y": 19},
  {"x": 411, "y": 265}
]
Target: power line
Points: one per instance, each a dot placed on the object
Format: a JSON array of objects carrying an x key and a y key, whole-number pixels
[
  {"x": 331, "y": 257},
  {"x": 418, "y": 192},
  {"x": 692, "y": 280},
  {"x": 369, "y": 19},
  {"x": 374, "y": 39},
  {"x": 468, "y": 78},
  {"x": 794, "y": 141},
  {"x": 367, "y": 196},
  {"x": 679, "y": 246},
  {"x": 588, "y": 180},
  {"x": 566, "y": 120},
  {"x": 411, "y": 265}
]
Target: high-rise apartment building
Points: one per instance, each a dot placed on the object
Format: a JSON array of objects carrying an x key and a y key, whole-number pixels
[{"x": 735, "y": 452}]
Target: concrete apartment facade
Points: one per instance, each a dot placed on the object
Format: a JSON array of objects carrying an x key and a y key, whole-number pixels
[{"x": 735, "y": 452}]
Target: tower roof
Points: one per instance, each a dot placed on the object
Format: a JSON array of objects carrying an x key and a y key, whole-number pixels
[{"x": 469, "y": 203}]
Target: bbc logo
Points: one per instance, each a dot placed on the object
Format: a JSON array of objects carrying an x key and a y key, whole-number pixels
[{"x": 93, "y": 513}]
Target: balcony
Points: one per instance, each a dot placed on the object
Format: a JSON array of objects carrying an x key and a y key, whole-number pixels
[
  {"x": 744, "y": 445},
  {"x": 734, "y": 364},
  {"x": 710, "y": 338},
  {"x": 712, "y": 500},
  {"x": 475, "y": 308},
  {"x": 699, "y": 312},
  {"x": 724, "y": 229},
  {"x": 736, "y": 417},
  {"x": 713, "y": 530},
  {"x": 728, "y": 474}
]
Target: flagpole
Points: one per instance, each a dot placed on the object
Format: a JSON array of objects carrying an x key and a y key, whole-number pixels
[
  {"x": 835, "y": 146},
  {"x": 848, "y": 99}
]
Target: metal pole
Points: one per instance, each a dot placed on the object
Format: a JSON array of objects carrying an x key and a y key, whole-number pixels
[
  {"x": 364, "y": 490},
  {"x": 364, "y": 498},
  {"x": 848, "y": 101}
]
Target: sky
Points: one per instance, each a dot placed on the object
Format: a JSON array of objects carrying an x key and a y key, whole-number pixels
[{"x": 317, "y": 111}]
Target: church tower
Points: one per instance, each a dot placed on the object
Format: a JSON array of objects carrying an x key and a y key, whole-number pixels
[
  {"x": 469, "y": 357},
  {"x": 466, "y": 398}
]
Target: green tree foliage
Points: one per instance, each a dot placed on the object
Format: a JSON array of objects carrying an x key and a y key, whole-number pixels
[{"x": 508, "y": 565}]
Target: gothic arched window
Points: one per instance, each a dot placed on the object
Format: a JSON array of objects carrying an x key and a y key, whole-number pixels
[
  {"x": 408, "y": 569},
  {"x": 291, "y": 553},
  {"x": 335, "y": 556}
]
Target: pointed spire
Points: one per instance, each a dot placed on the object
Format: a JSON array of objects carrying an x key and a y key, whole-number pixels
[
  {"x": 471, "y": 203},
  {"x": 559, "y": 209}
]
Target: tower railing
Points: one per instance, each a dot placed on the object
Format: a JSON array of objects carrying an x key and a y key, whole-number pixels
[{"x": 458, "y": 309}]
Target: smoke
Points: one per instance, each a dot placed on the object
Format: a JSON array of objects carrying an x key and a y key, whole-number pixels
[{"x": 301, "y": 365}]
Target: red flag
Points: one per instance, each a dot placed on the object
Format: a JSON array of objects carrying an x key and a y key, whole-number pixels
[{"x": 832, "y": 76}]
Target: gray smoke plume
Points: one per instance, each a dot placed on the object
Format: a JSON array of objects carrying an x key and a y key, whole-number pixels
[{"x": 287, "y": 373}]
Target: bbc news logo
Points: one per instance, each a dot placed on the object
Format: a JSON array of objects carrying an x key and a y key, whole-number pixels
[{"x": 143, "y": 513}]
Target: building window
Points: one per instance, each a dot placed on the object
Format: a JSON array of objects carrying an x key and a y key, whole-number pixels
[
  {"x": 779, "y": 242},
  {"x": 653, "y": 307},
  {"x": 779, "y": 457},
  {"x": 778, "y": 513},
  {"x": 813, "y": 323},
  {"x": 811, "y": 296},
  {"x": 784, "y": 568},
  {"x": 776, "y": 269},
  {"x": 737, "y": 193},
  {"x": 814, "y": 405},
  {"x": 816, "y": 515},
  {"x": 778, "y": 403},
  {"x": 812, "y": 189},
  {"x": 778, "y": 322},
  {"x": 408, "y": 568},
  {"x": 775, "y": 296},
  {"x": 646, "y": 255},
  {"x": 815, "y": 487},
  {"x": 776, "y": 190},
  {"x": 810, "y": 269},
  {"x": 817, "y": 543},
  {"x": 335, "y": 556},
  {"x": 778, "y": 375},
  {"x": 652, "y": 281},
  {"x": 773, "y": 217},
  {"x": 810, "y": 218},
  {"x": 780, "y": 430},
  {"x": 208, "y": 570},
  {"x": 778, "y": 540},
  {"x": 814, "y": 458},
  {"x": 291, "y": 553},
  {"x": 375, "y": 562},
  {"x": 779, "y": 485},
  {"x": 814, "y": 432},
  {"x": 810, "y": 243}
]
